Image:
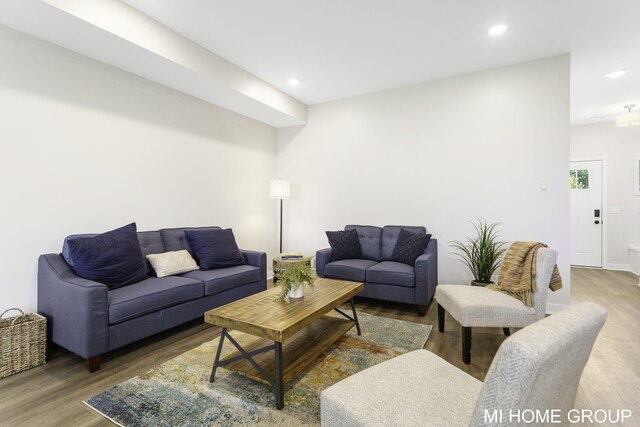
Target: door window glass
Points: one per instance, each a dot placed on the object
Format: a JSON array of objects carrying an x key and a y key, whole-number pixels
[{"x": 579, "y": 179}]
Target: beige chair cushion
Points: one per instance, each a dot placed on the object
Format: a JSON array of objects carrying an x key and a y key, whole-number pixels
[
  {"x": 172, "y": 263},
  {"x": 416, "y": 388},
  {"x": 475, "y": 306}
]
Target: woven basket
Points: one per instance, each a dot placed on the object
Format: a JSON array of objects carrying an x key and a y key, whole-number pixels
[{"x": 23, "y": 341}]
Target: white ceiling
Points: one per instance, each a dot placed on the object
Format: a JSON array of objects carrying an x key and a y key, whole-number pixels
[
  {"x": 121, "y": 36},
  {"x": 341, "y": 48}
]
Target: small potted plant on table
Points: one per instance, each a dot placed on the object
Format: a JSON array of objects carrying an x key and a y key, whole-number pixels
[
  {"x": 482, "y": 253},
  {"x": 292, "y": 279}
]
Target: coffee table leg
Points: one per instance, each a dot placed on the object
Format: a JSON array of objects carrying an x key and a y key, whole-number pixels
[
  {"x": 355, "y": 316},
  {"x": 279, "y": 388},
  {"x": 215, "y": 362}
]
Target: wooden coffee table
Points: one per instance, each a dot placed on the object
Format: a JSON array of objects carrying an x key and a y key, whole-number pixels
[{"x": 297, "y": 331}]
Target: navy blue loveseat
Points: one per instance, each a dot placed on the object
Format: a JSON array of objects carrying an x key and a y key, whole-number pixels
[
  {"x": 88, "y": 319},
  {"x": 385, "y": 279}
]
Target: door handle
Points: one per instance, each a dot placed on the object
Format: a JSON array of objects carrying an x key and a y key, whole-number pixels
[{"x": 596, "y": 222}]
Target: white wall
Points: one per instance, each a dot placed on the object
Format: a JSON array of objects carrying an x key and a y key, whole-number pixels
[
  {"x": 85, "y": 147},
  {"x": 619, "y": 147},
  {"x": 438, "y": 154}
]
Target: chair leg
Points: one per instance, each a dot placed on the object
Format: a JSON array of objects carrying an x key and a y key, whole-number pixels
[
  {"x": 506, "y": 331},
  {"x": 440, "y": 318},
  {"x": 466, "y": 345}
]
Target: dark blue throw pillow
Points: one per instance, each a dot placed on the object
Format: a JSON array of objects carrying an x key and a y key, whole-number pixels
[
  {"x": 409, "y": 247},
  {"x": 113, "y": 258},
  {"x": 214, "y": 248},
  {"x": 344, "y": 244}
]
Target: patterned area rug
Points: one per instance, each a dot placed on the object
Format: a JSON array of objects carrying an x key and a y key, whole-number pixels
[{"x": 178, "y": 392}]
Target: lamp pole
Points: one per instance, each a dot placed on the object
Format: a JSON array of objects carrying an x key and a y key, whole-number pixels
[
  {"x": 281, "y": 225},
  {"x": 280, "y": 189}
]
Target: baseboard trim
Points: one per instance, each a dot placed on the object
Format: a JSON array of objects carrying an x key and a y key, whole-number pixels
[
  {"x": 618, "y": 267},
  {"x": 269, "y": 274},
  {"x": 554, "y": 308}
]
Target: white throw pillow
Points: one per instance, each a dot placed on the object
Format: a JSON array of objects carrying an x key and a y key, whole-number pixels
[{"x": 172, "y": 263}]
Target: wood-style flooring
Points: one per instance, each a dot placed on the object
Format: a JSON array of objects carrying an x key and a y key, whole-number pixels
[{"x": 52, "y": 394}]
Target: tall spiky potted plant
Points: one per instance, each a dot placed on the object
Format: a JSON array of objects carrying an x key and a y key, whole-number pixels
[{"x": 482, "y": 253}]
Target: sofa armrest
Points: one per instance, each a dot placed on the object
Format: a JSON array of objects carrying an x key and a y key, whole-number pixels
[
  {"x": 323, "y": 257},
  {"x": 76, "y": 309},
  {"x": 426, "y": 272},
  {"x": 257, "y": 259}
]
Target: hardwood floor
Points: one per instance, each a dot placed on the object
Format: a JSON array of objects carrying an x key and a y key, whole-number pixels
[
  {"x": 51, "y": 395},
  {"x": 611, "y": 379}
]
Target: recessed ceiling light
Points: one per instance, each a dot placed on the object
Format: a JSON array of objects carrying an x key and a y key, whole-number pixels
[
  {"x": 497, "y": 30},
  {"x": 616, "y": 74},
  {"x": 293, "y": 82}
]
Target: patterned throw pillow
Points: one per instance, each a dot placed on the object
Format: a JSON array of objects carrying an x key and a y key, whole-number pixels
[
  {"x": 344, "y": 245},
  {"x": 409, "y": 247},
  {"x": 172, "y": 263}
]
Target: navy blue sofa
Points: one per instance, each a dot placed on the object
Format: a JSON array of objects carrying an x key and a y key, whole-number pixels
[
  {"x": 88, "y": 319},
  {"x": 384, "y": 279}
]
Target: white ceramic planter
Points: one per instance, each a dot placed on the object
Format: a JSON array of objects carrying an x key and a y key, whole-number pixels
[{"x": 297, "y": 291}]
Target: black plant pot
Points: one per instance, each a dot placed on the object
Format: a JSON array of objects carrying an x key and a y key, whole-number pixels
[{"x": 475, "y": 283}]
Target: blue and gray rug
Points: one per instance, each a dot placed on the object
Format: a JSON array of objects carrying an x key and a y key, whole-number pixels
[{"x": 178, "y": 392}]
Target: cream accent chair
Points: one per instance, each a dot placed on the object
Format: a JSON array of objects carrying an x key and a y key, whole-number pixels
[
  {"x": 538, "y": 368},
  {"x": 475, "y": 306}
]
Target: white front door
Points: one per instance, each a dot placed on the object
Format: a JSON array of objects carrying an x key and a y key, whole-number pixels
[{"x": 585, "y": 181}]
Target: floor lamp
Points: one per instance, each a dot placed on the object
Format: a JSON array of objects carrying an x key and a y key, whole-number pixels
[{"x": 280, "y": 189}]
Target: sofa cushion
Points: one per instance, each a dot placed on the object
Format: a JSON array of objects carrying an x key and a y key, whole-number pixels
[
  {"x": 223, "y": 279},
  {"x": 344, "y": 245},
  {"x": 150, "y": 243},
  {"x": 391, "y": 273},
  {"x": 409, "y": 247},
  {"x": 113, "y": 258},
  {"x": 151, "y": 295},
  {"x": 215, "y": 248},
  {"x": 370, "y": 240},
  {"x": 390, "y": 237},
  {"x": 348, "y": 269},
  {"x": 174, "y": 239}
]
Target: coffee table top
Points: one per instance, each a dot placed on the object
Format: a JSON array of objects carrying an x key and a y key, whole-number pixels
[{"x": 263, "y": 315}]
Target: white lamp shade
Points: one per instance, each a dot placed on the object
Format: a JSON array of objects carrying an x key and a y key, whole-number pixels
[
  {"x": 628, "y": 119},
  {"x": 280, "y": 189}
]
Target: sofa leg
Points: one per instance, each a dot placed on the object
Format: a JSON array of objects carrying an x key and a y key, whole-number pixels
[
  {"x": 440, "y": 318},
  {"x": 466, "y": 345},
  {"x": 93, "y": 363},
  {"x": 506, "y": 331},
  {"x": 422, "y": 310}
]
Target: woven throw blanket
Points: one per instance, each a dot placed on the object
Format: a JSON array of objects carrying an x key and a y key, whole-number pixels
[{"x": 518, "y": 273}]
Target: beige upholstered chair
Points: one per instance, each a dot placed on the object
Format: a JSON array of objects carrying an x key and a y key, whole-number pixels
[
  {"x": 538, "y": 368},
  {"x": 474, "y": 306}
]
